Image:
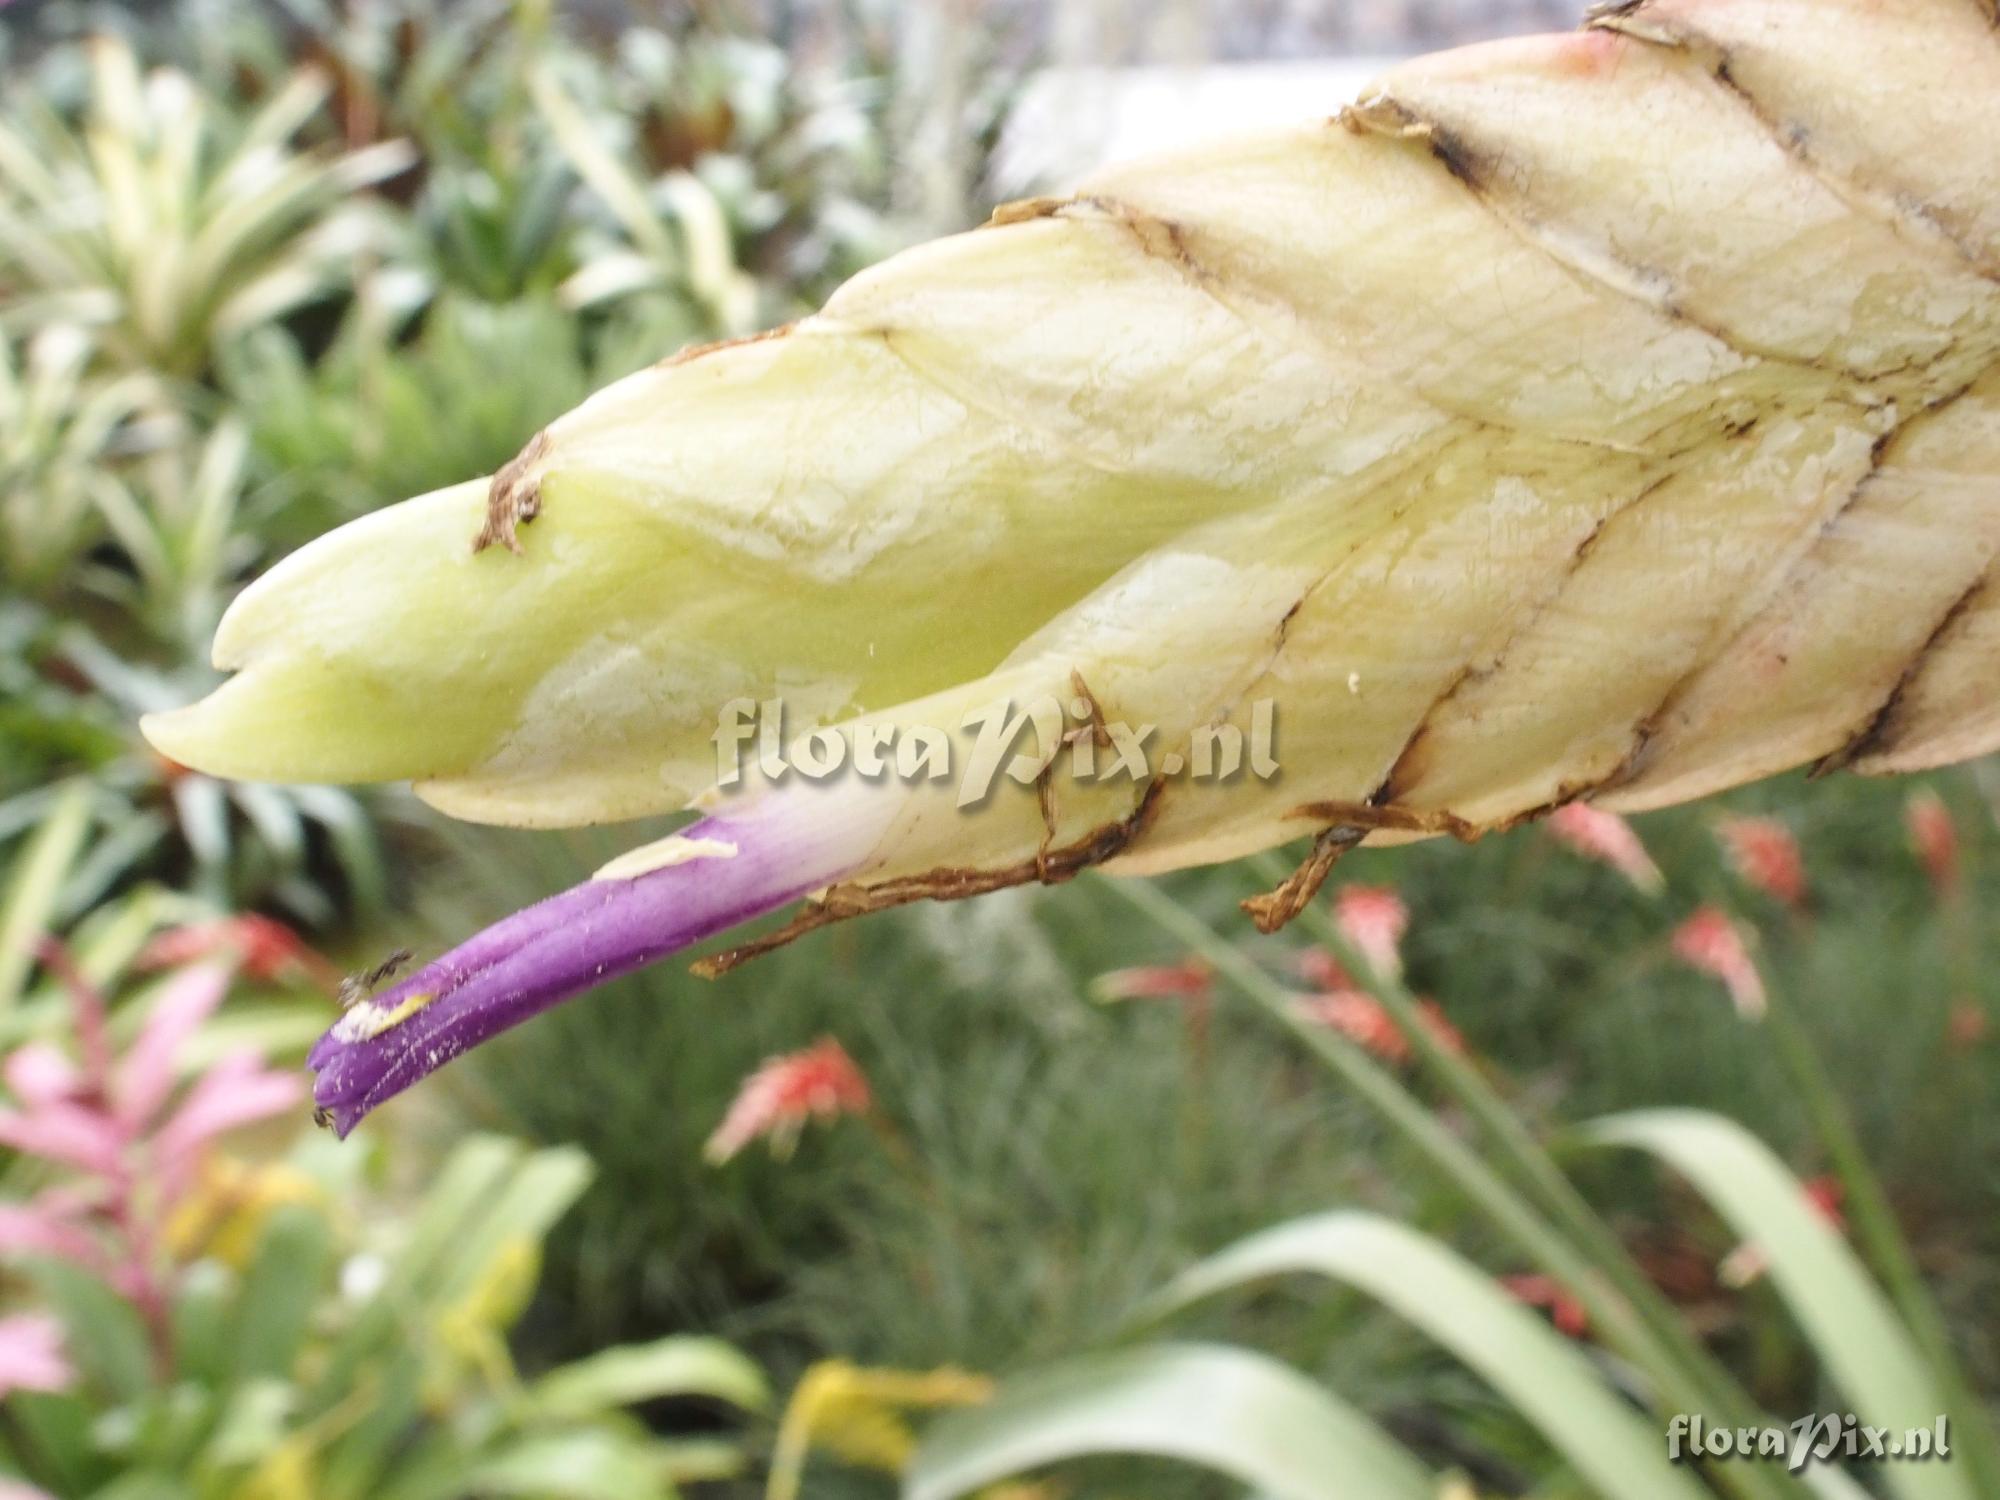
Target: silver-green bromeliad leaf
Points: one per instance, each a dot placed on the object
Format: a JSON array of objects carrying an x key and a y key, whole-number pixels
[
  {"x": 1545, "y": 1377},
  {"x": 1868, "y": 1353},
  {"x": 1241, "y": 1414}
]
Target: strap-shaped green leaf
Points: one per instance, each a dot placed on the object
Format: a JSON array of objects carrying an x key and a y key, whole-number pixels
[
  {"x": 676, "y": 1366},
  {"x": 1867, "y": 1351},
  {"x": 1425, "y": 1281},
  {"x": 1242, "y": 1414},
  {"x": 37, "y": 880}
]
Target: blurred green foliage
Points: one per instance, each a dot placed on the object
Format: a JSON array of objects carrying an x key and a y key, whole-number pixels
[
  {"x": 1055, "y": 1160},
  {"x": 267, "y": 266}
]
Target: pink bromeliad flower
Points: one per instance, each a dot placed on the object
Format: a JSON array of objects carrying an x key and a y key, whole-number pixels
[
  {"x": 32, "y": 1357},
  {"x": 1934, "y": 836},
  {"x": 1607, "y": 838},
  {"x": 1374, "y": 919},
  {"x": 775, "y": 1102},
  {"x": 125, "y": 1131},
  {"x": 1765, "y": 856},
  {"x": 1710, "y": 942}
]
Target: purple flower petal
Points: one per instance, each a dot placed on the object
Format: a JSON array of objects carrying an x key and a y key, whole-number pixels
[{"x": 569, "y": 943}]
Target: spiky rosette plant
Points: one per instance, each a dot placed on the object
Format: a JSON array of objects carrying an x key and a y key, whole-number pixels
[{"x": 1612, "y": 416}]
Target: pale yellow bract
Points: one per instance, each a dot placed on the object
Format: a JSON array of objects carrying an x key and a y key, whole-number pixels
[{"x": 1613, "y": 415}]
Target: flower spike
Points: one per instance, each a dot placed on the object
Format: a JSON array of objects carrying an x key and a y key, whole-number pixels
[{"x": 1574, "y": 419}]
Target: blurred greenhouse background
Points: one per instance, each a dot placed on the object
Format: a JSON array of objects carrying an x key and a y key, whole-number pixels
[{"x": 264, "y": 267}]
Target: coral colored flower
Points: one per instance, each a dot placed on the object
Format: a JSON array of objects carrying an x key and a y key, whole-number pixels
[
  {"x": 1322, "y": 971},
  {"x": 1374, "y": 919},
  {"x": 1765, "y": 856},
  {"x": 32, "y": 1357},
  {"x": 1190, "y": 979},
  {"x": 1968, "y": 1024},
  {"x": 263, "y": 948},
  {"x": 1747, "y": 1261},
  {"x": 776, "y": 1101},
  {"x": 1362, "y": 1019},
  {"x": 1606, "y": 838},
  {"x": 1564, "y": 1310},
  {"x": 1710, "y": 942},
  {"x": 1934, "y": 836},
  {"x": 1826, "y": 1194}
]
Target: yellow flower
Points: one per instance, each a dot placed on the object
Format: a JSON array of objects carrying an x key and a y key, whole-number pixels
[
  {"x": 473, "y": 1330},
  {"x": 285, "y": 1473},
  {"x": 225, "y": 1213},
  {"x": 856, "y": 1415}
]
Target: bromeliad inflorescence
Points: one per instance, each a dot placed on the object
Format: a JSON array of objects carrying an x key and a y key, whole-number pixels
[{"x": 1606, "y": 418}]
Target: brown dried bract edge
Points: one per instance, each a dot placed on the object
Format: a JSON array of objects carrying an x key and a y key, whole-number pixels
[
  {"x": 1274, "y": 909},
  {"x": 515, "y": 496},
  {"x": 1049, "y": 867},
  {"x": 1023, "y": 210},
  {"x": 1347, "y": 824},
  {"x": 716, "y": 346}
]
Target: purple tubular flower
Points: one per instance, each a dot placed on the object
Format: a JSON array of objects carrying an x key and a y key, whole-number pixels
[{"x": 712, "y": 875}]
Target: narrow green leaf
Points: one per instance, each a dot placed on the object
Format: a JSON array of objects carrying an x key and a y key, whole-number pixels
[
  {"x": 472, "y": 1175},
  {"x": 283, "y": 1286},
  {"x": 585, "y": 1465},
  {"x": 106, "y": 1339},
  {"x": 57, "y": 1429},
  {"x": 1548, "y": 1381},
  {"x": 474, "y": 1172},
  {"x": 1244, "y": 1415},
  {"x": 600, "y": 167},
  {"x": 38, "y": 880},
  {"x": 1866, "y": 1350},
  {"x": 541, "y": 1192},
  {"x": 253, "y": 1423},
  {"x": 202, "y": 1321},
  {"x": 640, "y": 1372}
]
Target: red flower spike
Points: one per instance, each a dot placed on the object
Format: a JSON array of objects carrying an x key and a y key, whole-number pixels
[
  {"x": 775, "y": 1102},
  {"x": 1766, "y": 857}
]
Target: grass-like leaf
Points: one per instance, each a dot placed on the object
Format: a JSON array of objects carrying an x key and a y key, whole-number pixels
[
  {"x": 1425, "y": 1281},
  {"x": 1867, "y": 1351},
  {"x": 1242, "y": 1414}
]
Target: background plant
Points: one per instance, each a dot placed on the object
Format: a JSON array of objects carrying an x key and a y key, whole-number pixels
[
  {"x": 1037, "y": 1164},
  {"x": 227, "y": 1325}
]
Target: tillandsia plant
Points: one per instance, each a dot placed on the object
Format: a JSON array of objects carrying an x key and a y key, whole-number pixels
[
  {"x": 1600, "y": 417},
  {"x": 165, "y": 227}
]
